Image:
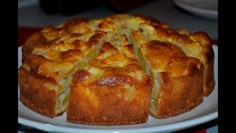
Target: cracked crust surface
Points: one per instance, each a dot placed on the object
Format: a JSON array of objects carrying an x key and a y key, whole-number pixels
[{"x": 58, "y": 64}]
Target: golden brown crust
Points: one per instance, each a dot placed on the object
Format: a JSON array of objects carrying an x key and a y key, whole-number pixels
[
  {"x": 173, "y": 100},
  {"x": 208, "y": 61},
  {"x": 106, "y": 104},
  {"x": 50, "y": 57},
  {"x": 194, "y": 45},
  {"x": 115, "y": 96},
  {"x": 180, "y": 79},
  {"x": 38, "y": 98},
  {"x": 100, "y": 55},
  {"x": 208, "y": 79}
]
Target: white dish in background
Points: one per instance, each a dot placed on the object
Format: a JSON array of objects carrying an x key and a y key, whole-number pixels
[
  {"x": 204, "y": 8},
  {"x": 206, "y": 111},
  {"x": 24, "y": 3}
]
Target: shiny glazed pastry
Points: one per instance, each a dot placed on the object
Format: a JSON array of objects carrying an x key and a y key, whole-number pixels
[{"x": 115, "y": 70}]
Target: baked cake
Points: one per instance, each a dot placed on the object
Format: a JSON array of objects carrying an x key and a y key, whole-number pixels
[
  {"x": 115, "y": 70},
  {"x": 112, "y": 90}
]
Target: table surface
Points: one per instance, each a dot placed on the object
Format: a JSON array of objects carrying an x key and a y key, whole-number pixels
[{"x": 163, "y": 10}]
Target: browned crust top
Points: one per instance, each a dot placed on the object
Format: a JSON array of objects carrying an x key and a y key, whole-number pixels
[{"x": 53, "y": 52}]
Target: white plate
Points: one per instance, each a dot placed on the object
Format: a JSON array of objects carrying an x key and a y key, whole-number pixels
[
  {"x": 204, "y": 8},
  {"x": 206, "y": 111}
]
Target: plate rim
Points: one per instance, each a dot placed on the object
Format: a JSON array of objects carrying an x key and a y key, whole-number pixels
[
  {"x": 56, "y": 128},
  {"x": 183, "y": 124}
]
